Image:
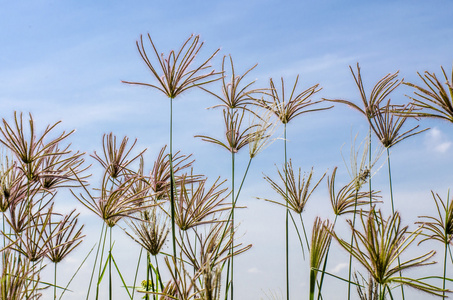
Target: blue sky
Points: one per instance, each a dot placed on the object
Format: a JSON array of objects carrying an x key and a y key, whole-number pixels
[{"x": 64, "y": 60}]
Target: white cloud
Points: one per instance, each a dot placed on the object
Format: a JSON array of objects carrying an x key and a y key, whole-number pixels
[
  {"x": 436, "y": 140},
  {"x": 338, "y": 268},
  {"x": 253, "y": 270}
]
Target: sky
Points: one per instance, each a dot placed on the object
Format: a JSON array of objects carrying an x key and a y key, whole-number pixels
[{"x": 65, "y": 60}]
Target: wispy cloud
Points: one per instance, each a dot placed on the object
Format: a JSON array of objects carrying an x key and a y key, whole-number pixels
[
  {"x": 437, "y": 141},
  {"x": 254, "y": 270},
  {"x": 338, "y": 268}
]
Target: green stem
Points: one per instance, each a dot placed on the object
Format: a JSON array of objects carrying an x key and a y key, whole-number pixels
[
  {"x": 147, "y": 274},
  {"x": 236, "y": 200},
  {"x": 325, "y": 262},
  {"x": 393, "y": 208},
  {"x": 369, "y": 168},
  {"x": 298, "y": 235},
  {"x": 287, "y": 216},
  {"x": 136, "y": 271},
  {"x": 352, "y": 244},
  {"x": 55, "y": 281},
  {"x": 230, "y": 267},
  {"x": 110, "y": 264},
  {"x": 172, "y": 186},
  {"x": 312, "y": 283},
  {"x": 158, "y": 274},
  {"x": 445, "y": 264},
  {"x": 233, "y": 203},
  {"x": 305, "y": 233},
  {"x": 103, "y": 232}
]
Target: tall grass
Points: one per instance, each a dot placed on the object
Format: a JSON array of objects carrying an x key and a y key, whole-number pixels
[{"x": 167, "y": 204}]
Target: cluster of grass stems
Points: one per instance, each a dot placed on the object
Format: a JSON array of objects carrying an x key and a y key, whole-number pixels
[{"x": 171, "y": 204}]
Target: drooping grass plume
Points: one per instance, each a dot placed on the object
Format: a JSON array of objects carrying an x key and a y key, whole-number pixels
[
  {"x": 435, "y": 98},
  {"x": 234, "y": 95},
  {"x": 263, "y": 128},
  {"x": 111, "y": 205},
  {"x": 379, "y": 93},
  {"x": 380, "y": 243},
  {"x": 63, "y": 237},
  {"x": 159, "y": 176},
  {"x": 367, "y": 289},
  {"x": 299, "y": 190},
  {"x": 27, "y": 146},
  {"x": 440, "y": 228},
  {"x": 236, "y": 135},
  {"x": 19, "y": 278},
  {"x": 13, "y": 186},
  {"x": 194, "y": 206},
  {"x": 212, "y": 248},
  {"x": 295, "y": 191},
  {"x": 176, "y": 74},
  {"x": 348, "y": 199},
  {"x": 33, "y": 241},
  {"x": 286, "y": 109},
  {"x": 150, "y": 230},
  {"x": 173, "y": 73},
  {"x": 58, "y": 168},
  {"x": 320, "y": 243},
  {"x": 388, "y": 121},
  {"x": 116, "y": 158},
  {"x": 359, "y": 166}
]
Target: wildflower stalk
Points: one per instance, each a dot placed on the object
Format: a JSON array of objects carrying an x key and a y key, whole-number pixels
[
  {"x": 441, "y": 228},
  {"x": 287, "y": 215},
  {"x": 298, "y": 234},
  {"x": 110, "y": 263},
  {"x": 233, "y": 202},
  {"x": 172, "y": 183},
  {"x": 100, "y": 262},
  {"x": 95, "y": 260},
  {"x": 445, "y": 265},
  {"x": 136, "y": 272},
  {"x": 55, "y": 281},
  {"x": 325, "y": 263},
  {"x": 369, "y": 168},
  {"x": 352, "y": 244},
  {"x": 305, "y": 233},
  {"x": 393, "y": 208}
]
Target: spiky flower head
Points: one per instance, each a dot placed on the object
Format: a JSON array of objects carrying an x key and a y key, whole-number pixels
[{"x": 173, "y": 73}]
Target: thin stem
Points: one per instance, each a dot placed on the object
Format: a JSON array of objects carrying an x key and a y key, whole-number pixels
[
  {"x": 369, "y": 168},
  {"x": 233, "y": 203},
  {"x": 147, "y": 274},
  {"x": 136, "y": 272},
  {"x": 158, "y": 274},
  {"x": 287, "y": 215},
  {"x": 393, "y": 208},
  {"x": 172, "y": 185},
  {"x": 325, "y": 262},
  {"x": 100, "y": 263},
  {"x": 298, "y": 235},
  {"x": 445, "y": 265},
  {"x": 451, "y": 255},
  {"x": 236, "y": 200},
  {"x": 55, "y": 281},
  {"x": 96, "y": 259},
  {"x": 352, "y": 243},
  {"x": 110, "y": 264},
  {"x": 305, "y": 233}
]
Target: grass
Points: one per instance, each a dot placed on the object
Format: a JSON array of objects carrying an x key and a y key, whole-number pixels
[{"x": 166, "y": 204}]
